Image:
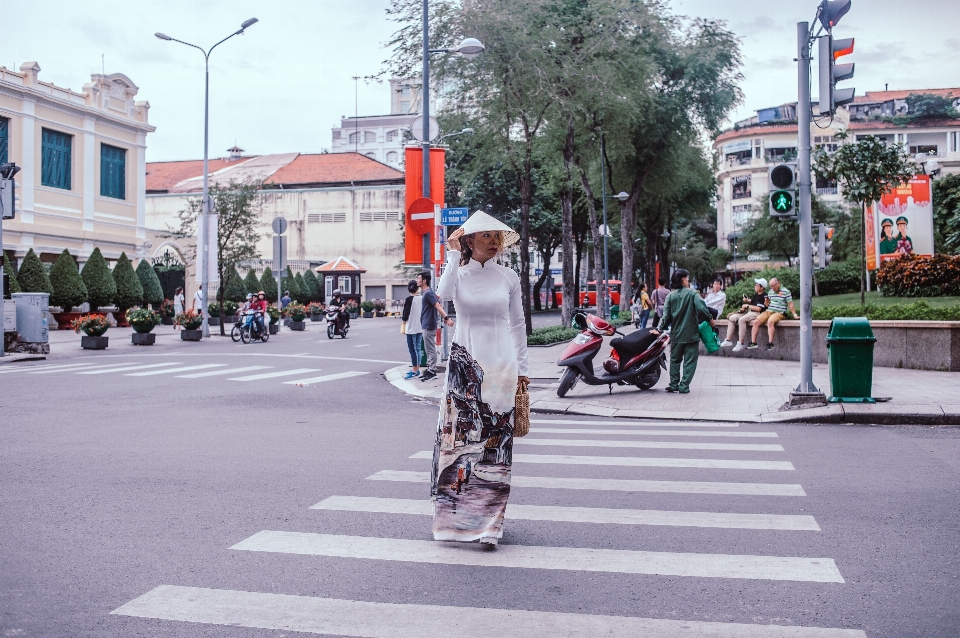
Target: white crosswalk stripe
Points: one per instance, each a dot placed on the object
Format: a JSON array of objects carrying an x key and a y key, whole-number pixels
[
  {"x": 741, "y": 434},
  {"x": 638, "y": 423},
  {"x": 8, "y": 369},
  {"x": 78, "y": 367},
  {"x": 175, "y": 370},
  {"x": 584, "y": 514},
  {"x": 329, "y": 616},
  {"x": 273, "y": 375},
  {"x": 216, "y": 373},
  {"x": 633, "y": 461},
  {"x": 661, "y": 445},
  {"x": 619, "y": 485},
  {"x": 327, "y": 377},
  {"x": 127, "y": 368}
]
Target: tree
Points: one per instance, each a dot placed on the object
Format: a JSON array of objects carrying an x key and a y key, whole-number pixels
[
  {"x": 234, "y": 287},
  {"x": 867, "y": 168},
  {"x": 152, "y": 290},
  {"x": 304, "y": 290},
  {"x": 930, "y": 105},
  {"x": 129, "y": 290},
  {"x": 11, "y": 275},
  {"x": 238, "y": 207},
  {"x": 946, "y": 213},
  {"x": 68, "y": 287},
  {"x": 312, "y": 285},
  {"x": 32, "y": 276},
  {"x": 289, "y": 284},
  {"x": 268, "y": 284},
  {"x": 101, "y": 288},
  {"x": 251, "y": 283}
]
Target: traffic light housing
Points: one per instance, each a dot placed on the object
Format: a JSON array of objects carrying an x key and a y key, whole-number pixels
[
  {"x": 830, "y": 73},
  {"x": 8, "y": 191},
  {"x": 824, "y": 244},
  {"x": 782, "y": 186},
  {"x": 831, "y": 11}
]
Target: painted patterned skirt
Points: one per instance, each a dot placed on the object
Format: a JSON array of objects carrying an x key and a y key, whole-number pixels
[{"x": 471, "y": 458}]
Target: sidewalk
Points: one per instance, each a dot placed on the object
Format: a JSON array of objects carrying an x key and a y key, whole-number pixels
[{"x": 733, "y": 389}]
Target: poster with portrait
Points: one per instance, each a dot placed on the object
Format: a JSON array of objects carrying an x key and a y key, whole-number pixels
[{"x": 901, "y": 223}]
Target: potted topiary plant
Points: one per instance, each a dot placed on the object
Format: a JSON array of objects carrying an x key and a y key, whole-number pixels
[
  {"x": 166, "y": 312},
  {"x": 229, "y": 313},
  {"x": 101, "y": 288},
  {"x": 152, "y": 290},
  {"x": 316, "y": 310},
  {"x": 379, "y": 307},
  {"x": 274, "y": 313},
  {"x": 129, "y": 289},
  {"x": 191, "y": 321},
  {"x": 93, "y": 326},
  {"x": 68, "y": 288},
  {"x": 366, "y": 307},
  {"x": 213, "y": 313},
  {"x": 143, "y": 321},
  {"x": 352, "y": 308},
  {"x": 297, "y": 314}
]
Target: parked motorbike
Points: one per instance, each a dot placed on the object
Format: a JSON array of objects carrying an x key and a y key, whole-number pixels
[
  {"x": 636, "y": 358},
  {"x": 336, "y": 324}
]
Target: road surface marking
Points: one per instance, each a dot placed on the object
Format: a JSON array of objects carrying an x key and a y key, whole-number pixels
[
  {"x": 128, "y": 367},
  {"x": 270, "y": 375},
  {"x": 601, "y": 515},
  {"x": 327, "y": 377},
  {"x": 618, "y": 485},
  {"x": 215, "y": 373},
  {"x": 820, "y": 570},
  {"x": 639, "y": 423},
  {"x": 362, "y": 345},
  {"x": 335, "y": 617},
  {"x": 633, "y": 461},
  {"x": 78, "y": 368},
  {"x": 54, "y": 367},
  {"x": 741, "y": 434},
  {"x": 175, "y": 370},
  {"x": 662, "y": 445}
]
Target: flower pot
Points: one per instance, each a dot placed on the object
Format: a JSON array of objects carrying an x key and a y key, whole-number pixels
[
  {"x": 274, "y": 328},
  {"x": 214, "y": 321},
  {"x": 63, "y": 319},
  {"x": 142, "y": 328},
  {"x": 167, "y": 321},
  {"x": 191, "y": 335},
  {"x": 94, "y": 343},
  {"x": 316, "y": 317},
  {"x": 298, "y": 325},
  {"x": 381, "y": 313},
  {"x": 366, "y": 315},
  {"x": 353, "y": 315},
  {"x": 142, "y": 338}
]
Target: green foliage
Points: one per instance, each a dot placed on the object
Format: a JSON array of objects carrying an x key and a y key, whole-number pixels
[
  {"x": 930, "y": 105},
  {"x": 719, "y": 258},
  {"x": 296, "y": 311},
  {"x": 917, "y": 311},
  {"x": 916, "y": 276},
  {"x": 68, "y": 288},
  {"x": 312, "y": 285},
  {"x": 867, "y": 168},
  {"x": 143, "y": 319},
  {"x": 268, "y": 284},
  {"x": 32, "y": 276},
  {"x": 366, "y": 306},
  {"x": 551, "y": 334},
  {"x": 838, "y": 278},
  {"x": 274, "y": 313},
  {"x": 11, "y": 275},
  {"x": 302, "y": 287},
  {"x": 101, "y": 288},
  {"x": 152, "y": 290},
  {"x": 251, "y": 283},
  {"x": 213, "y": 309},
  {"x": 93, "y": 324},
  {"x": 290, "y": 284},
  {"x": 129, "y": 290},
  {"x": 230, "y": 308},
  {"x": 189, "y": 320},
  {"x": 235, "y": 288},
  {"x": 946, "y": 213}
]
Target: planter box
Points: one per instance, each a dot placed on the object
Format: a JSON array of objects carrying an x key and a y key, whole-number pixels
[
  {"x": 298, "y": 325},
  {"x": 213, "y": 321},
  {"x": 353, "y": 315},
  {"x": 366, "y": 315},
  {"x": 230, "y": 320},
  {"x": 93, "y": 343},
  {"x": 143, "y": 338},
  {"x": 381, "y": 313},
  {"x": 316, "y": 317},
  {"x": 191, "y": 335},
  {"x": 274, "y": 328},
  {"x": 166, "y": 321}
]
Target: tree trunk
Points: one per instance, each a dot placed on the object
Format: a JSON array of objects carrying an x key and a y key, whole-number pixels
[
  {"x": 526, "y": 197},
  {"x": 628, "y": 225},
  {"x": 566, "y": 232},
  {"x": 220, "y": 293},
  {"x": 537, "y": 287},
  {"x": 863, "y": 255},
  {"x": 594, "y": 231}
]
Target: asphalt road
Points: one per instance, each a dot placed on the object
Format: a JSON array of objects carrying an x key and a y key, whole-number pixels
[{"x": 184, "y": 503}]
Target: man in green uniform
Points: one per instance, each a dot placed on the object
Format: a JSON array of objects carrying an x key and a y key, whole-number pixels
[
  {"x": 888, "y": 243},
  {"x": 680, "y": 313}
]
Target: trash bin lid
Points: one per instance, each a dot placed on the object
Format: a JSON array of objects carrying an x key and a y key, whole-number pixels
[{"x": 850, "y": 330}]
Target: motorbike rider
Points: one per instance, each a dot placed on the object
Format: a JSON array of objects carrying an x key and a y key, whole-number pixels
[
  {"x": 260, "y": 305},
  {"x": 340, "y": 305}
]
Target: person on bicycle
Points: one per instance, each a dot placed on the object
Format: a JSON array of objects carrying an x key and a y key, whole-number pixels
[{"x": 337, "y": 302}]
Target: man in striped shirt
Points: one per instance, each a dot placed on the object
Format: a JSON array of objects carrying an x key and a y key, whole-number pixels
[{"x": 780, "y": 299}]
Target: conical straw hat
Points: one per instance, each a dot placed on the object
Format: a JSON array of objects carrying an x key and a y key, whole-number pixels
[{"x": 480, "y": 222}]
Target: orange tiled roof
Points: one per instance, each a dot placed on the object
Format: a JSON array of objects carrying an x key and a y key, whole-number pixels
[
  {"x": 872, "y": 97},
  {"x": 339, "y": 264},
  {"x": 162, "y": 176},
  {"x": 334, "y": 168}
]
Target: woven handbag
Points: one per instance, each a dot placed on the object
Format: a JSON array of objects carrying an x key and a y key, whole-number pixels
[{"x": 521, "y": 413}]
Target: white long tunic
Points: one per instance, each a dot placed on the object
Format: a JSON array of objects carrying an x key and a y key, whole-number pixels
[{"x": 490, "y": 323}]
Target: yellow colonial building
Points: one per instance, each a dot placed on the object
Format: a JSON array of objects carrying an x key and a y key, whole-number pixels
[{"x": 83, "y": 165}]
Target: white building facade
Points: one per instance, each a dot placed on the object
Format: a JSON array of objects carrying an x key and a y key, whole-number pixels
[{"x": 381, "y": 137}]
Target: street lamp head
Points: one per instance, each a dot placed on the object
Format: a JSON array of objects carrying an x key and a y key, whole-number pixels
[
  {"x": 162, "y": 36},
  {"x": 468, "y": 130},
  {"x": 248, "y": 23},
  {"x": 622, "y": 196},
  {"x": 666, "y": 234},
  {"x": 470, "y": 48}
]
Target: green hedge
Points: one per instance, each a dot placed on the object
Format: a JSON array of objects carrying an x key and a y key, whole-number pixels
[
  {"x": 251, "y": 283},
  {"x": 68, "y": 287},
  {"x": 32, "y": 276},
  {"x": 152, "y": 290},
  {"x": 101, "y": 288},
  {"x": 917, "y": 311},
  {"x": 11, "y": 275},
  {"x": 234, "y": 288},
  {"x": 551, "y": 334},
  {"x": 838, "y": 278},
  {"x": 915, "y": 276},
  {"x": 835, "y": 279},
  {"x": 268, "y": 284},
  {"x": 129, "y": 289}
]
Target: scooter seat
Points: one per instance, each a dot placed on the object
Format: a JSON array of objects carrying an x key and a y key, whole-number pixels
[{"x": 633, "y": 344}]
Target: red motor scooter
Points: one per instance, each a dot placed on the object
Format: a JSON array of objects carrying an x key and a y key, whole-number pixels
[{"x": 635, "y": 358}]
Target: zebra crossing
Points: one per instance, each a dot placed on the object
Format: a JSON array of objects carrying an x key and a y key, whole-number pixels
[
  {"x": 180, "y": 370},
  {"x": 378, "y": 619}
]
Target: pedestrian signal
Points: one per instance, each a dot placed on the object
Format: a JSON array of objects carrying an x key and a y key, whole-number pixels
[{"x": 781, "y": 182}]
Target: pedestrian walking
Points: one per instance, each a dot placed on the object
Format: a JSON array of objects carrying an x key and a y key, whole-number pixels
[
  {"x": 682, "y": 313},
  {"x": 487, "y": 365},
  {"x": 658, "y": 298},
  {"x": 428, "y": 322},
  {"x": 285, "y": 300},
  {"x": 645, "y": 306},
  {"x": 197, "y": 305},
  {"x": 178, "y": 304},
  {"x": 412, "y": 308}
]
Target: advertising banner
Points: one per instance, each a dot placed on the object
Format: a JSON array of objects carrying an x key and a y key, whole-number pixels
[{"x": 901, "y": 223}]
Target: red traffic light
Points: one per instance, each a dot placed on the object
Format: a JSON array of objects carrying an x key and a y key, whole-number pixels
[
  {"x": 831, "y": 11},
  {"x": 842, "y": 47}
]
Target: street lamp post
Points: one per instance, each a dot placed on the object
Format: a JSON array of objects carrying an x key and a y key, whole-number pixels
[
  {"x": 603, "y": 307},
  {"x": 205, "y": 206}
]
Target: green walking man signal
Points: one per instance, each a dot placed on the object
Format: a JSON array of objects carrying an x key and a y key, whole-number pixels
[
  {"x": 781, "y": 185},
  {"x": 782, "y": 202}
]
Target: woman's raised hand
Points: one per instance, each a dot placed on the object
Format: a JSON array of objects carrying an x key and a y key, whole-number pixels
[{"x": 453, "y": 242}]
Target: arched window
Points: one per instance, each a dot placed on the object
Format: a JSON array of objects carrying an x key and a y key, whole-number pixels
[
  {"x": 393, "y": 157},
  {"x": 392, "y": 135},
  {"x": 354, "y": 137},
  {"x": 371, "y": 155},
  {"x": 369, "y": 136}
]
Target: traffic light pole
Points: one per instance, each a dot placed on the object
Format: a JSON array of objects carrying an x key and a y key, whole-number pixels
[{"x": 806, "y": 393}]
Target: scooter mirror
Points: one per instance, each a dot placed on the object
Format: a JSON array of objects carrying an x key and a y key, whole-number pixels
[{"x": 580, "y": 320}]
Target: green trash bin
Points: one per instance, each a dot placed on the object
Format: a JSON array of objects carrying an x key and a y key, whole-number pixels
[{"x": 850, "y": 348}]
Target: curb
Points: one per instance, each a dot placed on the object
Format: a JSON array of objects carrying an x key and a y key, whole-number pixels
[{"x": 17, "y": 357}]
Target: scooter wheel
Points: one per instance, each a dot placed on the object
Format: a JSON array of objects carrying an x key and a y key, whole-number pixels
[
  {"x": 330, "y": 330},
  {"x": 648, "y": 380},
  {"x": 568, "y": 381}
]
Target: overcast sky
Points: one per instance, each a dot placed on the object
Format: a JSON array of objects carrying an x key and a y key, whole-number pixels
[{"x": 283, "y": 85}]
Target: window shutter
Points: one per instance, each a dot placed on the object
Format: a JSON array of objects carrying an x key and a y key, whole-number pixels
[
  {"x": 4, "y": 139},
  {"x": 55, "y": 159},
  {"x": 113, "y": 171}
]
